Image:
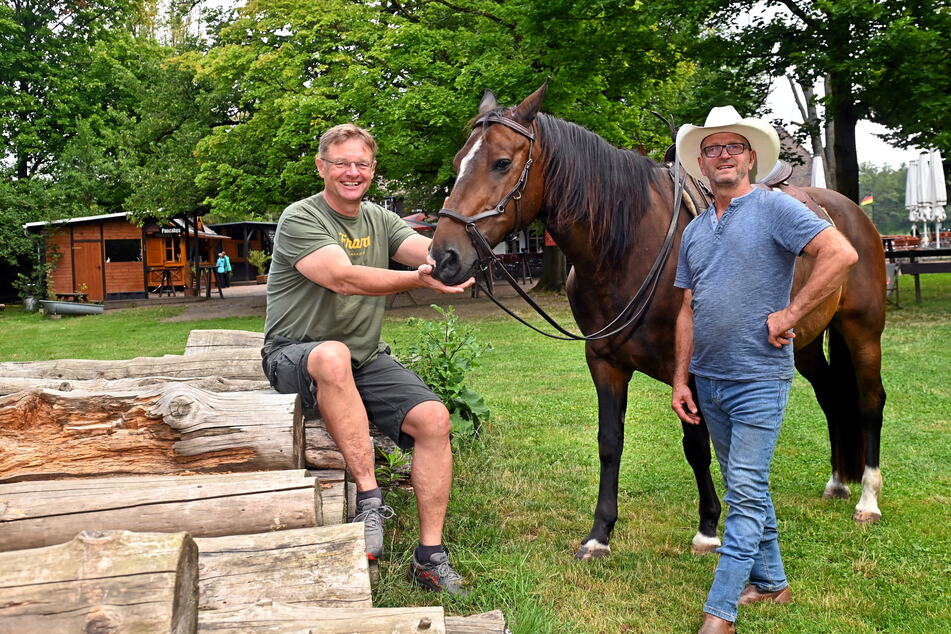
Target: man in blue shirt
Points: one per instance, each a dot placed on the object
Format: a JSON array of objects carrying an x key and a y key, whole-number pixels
[{"x": 734, "y": 335}]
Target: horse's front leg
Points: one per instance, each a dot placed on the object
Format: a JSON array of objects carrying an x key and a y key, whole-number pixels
[{"x": 610, "y": 381}]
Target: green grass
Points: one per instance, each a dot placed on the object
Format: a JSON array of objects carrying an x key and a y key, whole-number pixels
[{"x": 524, "y": 492}]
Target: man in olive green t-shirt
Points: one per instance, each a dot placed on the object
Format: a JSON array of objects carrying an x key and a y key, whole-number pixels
[{"x": 326, "y": 289}]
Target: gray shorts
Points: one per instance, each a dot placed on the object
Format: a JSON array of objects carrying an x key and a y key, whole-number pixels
[{"x": 388, "y": 390}]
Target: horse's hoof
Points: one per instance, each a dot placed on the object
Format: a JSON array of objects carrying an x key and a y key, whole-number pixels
[
  {"x": 840, "y": 492},
  {"x": 592, "y": 549},
  {"x": 703, "y": 544},
  {"x": 866, "y": 517}
]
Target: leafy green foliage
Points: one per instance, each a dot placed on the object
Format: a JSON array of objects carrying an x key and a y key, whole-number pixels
[
  {"x": 442, "y": 353},
  {"x": 395, "y": 467},
  {"x": 887, "y": 186},
  {"x": 259, "y": 259}
]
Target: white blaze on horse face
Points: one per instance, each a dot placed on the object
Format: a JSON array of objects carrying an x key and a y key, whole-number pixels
[{"x": 464, "y": 164}]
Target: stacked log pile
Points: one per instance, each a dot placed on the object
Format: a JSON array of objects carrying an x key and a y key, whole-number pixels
[{"x": 179, "y": 494}]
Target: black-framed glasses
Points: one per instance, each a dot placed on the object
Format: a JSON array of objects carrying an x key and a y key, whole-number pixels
[
  {"x": 343, "y": 164},
  {"x": 713, "y": 151}
]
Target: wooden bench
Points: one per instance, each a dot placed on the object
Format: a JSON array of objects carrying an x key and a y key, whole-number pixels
[{"x": 907, "y": 262}]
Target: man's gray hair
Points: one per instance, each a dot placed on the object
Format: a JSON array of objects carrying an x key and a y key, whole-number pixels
[{"x": 345, "y": 132}]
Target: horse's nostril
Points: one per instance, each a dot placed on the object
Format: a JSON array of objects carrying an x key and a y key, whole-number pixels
[{"x": 447, "y": 264}]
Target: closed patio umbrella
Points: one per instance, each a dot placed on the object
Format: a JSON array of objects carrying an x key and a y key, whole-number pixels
[
  {"x": 818, "y": 172},
  {"x": 911, "y": 196},
  {"x": 940, "y": 190}
]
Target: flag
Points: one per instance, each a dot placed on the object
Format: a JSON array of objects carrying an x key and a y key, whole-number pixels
[{"x": 868, "y": 200}]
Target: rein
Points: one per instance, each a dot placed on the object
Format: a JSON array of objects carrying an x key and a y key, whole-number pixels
[{"x": 486, "y": 257}]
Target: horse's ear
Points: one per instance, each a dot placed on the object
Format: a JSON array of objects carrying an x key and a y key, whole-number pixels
[
  {"x": 488, "y": 102},
  {"x": 526, "y": 111}
]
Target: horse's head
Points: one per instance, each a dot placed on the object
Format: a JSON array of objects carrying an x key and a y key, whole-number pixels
[{"x": 495, "y": 192}]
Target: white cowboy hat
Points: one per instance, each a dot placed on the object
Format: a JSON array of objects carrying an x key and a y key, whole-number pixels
[{"x": 761, "y": 136}]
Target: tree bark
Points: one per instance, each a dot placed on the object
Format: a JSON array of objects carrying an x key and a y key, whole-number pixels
[
  {"x": 102, "y": 582},
  {"x": 41, "y": 513},
  {"x": 201, "y": 341},
  {"x": 10, "y": 385},
  {"x": 279, "y": 618},
  {"x": 163, "y": 428},
  {"x": 844, "y": 120},
  {"x": 242, "y": 365},
  {"x": 317, "y": 567}
]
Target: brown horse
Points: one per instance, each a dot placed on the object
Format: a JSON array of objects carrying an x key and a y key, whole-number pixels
[{"x": 609, "y": 210}]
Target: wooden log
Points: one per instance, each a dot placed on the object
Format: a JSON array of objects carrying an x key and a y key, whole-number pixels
[
  {"x": 113, "y": 581},
  {"x": 41, "y": 513},
  {"x": 161, "y": 428},
  {"x": 286, "y": 619},
  {"x": 11, "y": 385},
  {"x": 244, "y": 364},
  {"x": 334, "y": 500},
  {"x": 319, "y": 567},
  {"x": 486, "y": 623},
  {"x": 201, "y": 341},
  {"x": 320, "y": 450}
]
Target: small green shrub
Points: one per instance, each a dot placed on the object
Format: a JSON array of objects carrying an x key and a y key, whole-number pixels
[
  {"x": 259, "y": 260},
  {"x": 442, "y": 353},
  {"x": 395, "y": 467}
]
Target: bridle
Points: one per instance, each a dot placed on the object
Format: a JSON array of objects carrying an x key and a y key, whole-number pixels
[
  {"x": 486, "y": 257},
  {"x": 514, "y": 194}
]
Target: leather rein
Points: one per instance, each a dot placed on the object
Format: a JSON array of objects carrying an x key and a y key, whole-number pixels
[{"x": 486, "y": 257}]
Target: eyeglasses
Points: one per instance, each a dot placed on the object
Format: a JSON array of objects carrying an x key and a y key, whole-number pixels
[
  {"x": 363, "y": 166},
  {"x": 713, "y": 151}
]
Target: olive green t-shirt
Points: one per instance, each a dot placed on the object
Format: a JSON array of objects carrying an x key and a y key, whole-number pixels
[{"x": 300, "y": 309}]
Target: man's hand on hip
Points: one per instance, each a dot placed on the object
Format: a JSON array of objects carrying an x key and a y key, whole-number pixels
[{"x": 780, "y": 328}]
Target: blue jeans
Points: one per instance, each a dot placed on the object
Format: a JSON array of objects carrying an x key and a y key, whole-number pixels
[{"x": 744, "y": 420}]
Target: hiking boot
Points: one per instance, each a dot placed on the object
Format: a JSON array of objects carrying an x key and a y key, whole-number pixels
[
  {"x": 437, "y": 575},
  {"x": 372, "y": 512}
]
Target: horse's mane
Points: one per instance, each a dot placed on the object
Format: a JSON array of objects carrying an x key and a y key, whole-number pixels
[{"x": 589, "y": 181}]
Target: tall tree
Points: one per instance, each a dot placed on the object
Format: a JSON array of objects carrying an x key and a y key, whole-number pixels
[
  {"x": 853, "y": 45},
  {"x": 413, "y": 72}
]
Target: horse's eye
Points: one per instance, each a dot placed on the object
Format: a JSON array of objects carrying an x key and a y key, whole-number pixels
[{"x": 501, "y": 165}]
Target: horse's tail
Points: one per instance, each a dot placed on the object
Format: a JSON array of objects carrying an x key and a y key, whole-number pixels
[{"x": 846, "y": 437}]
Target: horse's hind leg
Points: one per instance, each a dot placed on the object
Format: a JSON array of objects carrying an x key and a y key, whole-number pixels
[
  {"x": 812, "y": 364},
  {"x": 858, "y": 349},
  {"x": 610, "y": 381}
]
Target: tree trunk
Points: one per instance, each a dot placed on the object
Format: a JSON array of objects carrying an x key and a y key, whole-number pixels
[
  {"x": 102, "y": 582},
  {"x": 10, "y": 385},
  {"x": 554, "y": 270},
  {"x": 286, "y": 619},
  {"x": 486, "y": 623},
  {"x": 40, "y": 513},
  {"x": 200, "y": 341},
  {"x": 317, "y": 567},
  {"x": 841, "y": 110},
  {"x": 243, "y": 365},
  {"x": 163, "y": 428}
]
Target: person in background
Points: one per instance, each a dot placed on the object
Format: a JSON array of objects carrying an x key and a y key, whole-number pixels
[
  {"x": 734, "y": 334},
  {"x": 325, "y": 301},
  {"x": 227, "y": 270},
  {"x": 221, "y": 271}
]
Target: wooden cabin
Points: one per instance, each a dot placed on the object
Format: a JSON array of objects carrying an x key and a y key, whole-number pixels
[
  {"x": 108, "y": 257},
  {"x": 245, "y": 237}
]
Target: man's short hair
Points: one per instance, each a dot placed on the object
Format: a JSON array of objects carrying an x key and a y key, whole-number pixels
[{"x": 345, "y": 132}]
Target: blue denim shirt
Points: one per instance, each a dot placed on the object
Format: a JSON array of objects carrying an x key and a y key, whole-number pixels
[{"x": 740, "y": 269}]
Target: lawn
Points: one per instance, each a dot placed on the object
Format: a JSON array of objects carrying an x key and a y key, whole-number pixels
[{"x": 524, "y": 492}]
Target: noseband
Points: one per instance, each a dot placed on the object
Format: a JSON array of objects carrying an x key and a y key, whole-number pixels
[{"x": 482, "y": 246}]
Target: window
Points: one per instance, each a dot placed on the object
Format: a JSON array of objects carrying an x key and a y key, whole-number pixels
[
  {"x": 123, "y": 250},
  {"x": 172, "y": 249}
]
